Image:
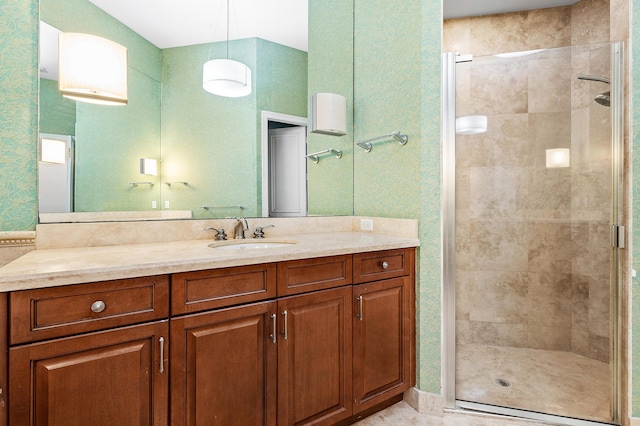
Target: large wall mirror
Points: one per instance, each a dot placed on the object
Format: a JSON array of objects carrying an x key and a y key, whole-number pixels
[{"x": 208, "y": 148}]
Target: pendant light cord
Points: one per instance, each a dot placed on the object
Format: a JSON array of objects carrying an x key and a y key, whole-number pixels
[{"x": 227, "y": 29}]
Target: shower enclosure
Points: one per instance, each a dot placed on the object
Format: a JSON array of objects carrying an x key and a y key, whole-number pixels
[{"x": 531, "y": 232}]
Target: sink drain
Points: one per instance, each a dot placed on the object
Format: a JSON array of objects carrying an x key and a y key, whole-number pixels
[{"x": 502, "y": 382}]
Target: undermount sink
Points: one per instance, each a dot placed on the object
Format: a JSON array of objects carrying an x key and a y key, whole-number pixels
[{"x": 250, "y": 245}]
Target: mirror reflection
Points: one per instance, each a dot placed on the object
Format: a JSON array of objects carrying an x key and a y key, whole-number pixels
[{"x": 208, "y": 149}]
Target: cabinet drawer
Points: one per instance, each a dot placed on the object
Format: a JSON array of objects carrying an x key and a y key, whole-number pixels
[
  {"x": 380, "y": 265},
  {"x": 301, "y": 276},
  {"x": 60, "y": 311},
  {"x": 216, "y": 288}
]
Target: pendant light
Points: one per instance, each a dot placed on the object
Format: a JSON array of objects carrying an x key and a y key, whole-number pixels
[
  {"x": 92, "y": 69},
  {"x": 225, "y": 77}
]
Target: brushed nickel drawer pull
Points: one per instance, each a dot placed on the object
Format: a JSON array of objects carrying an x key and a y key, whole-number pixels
[
  {"x": 284, "y": 330},
  {"x": 98, "y": 306},
  {"x": 384, "y": 265},
  {"x": 161, "y": 341},
  {"x": 359, "y": 314},
  {"x": 274, "y": 331}
]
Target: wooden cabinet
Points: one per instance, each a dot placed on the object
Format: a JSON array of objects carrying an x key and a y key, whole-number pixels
[
  {"x": 305, "y": 275},
  {"x": 223, "y": 367},
  {"x": 314, "y": 358},
  {"x": 101, "y": 379},
  {"x": 215, "y": 288},
  {"x": 321, "y": 341},
  {"x": 47, "y": 313},
  {"x": 381, "y": 341}
]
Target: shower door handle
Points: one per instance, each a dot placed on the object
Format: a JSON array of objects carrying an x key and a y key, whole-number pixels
[{"x": 617, "y": 236}]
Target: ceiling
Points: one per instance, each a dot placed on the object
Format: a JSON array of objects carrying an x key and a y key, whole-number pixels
[
  {"x": 279, "y": 21},
  {"x": 202, "y": 21},
  {"x": 463, "y": 8}
]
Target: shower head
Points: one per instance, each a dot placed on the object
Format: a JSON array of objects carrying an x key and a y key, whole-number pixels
[
  {"x": 594, "y": 78},
  {"x": 603, "y": 99}
]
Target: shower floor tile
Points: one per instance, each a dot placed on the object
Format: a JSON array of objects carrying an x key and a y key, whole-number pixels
[{"x": 553, "y": 382}]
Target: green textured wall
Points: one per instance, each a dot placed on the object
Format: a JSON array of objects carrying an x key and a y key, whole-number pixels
[
  {"x": 18, "y": 114},
  {"x": 110, "y": 140},
  {"x": 281, "y": 87},
  {"x": 397, "y": 88},
  {"x": 57, "y": 113},
  {"x": 390, "y": 73},
  {"x": 330, "y": 182},
  {"x": 220, "y": 156}
]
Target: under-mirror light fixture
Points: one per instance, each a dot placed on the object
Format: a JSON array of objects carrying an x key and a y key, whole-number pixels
[
  {"x": 148, "y": 166},
  {"x": 53, "y": 151},
  {"x": 471, "y": 124},
  {"x": 92, "y": 69},
  {"x": 558, "y": 157},
  {"x": 226, "y": 77}
]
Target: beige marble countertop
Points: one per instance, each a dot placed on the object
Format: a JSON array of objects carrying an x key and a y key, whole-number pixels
[{"x": 56, "y": 267}]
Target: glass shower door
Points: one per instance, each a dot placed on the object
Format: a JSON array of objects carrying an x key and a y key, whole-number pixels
[{"x": 534, "y": 271}]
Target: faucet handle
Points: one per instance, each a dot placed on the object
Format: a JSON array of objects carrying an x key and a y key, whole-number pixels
[
  {"x": 260, "y": 231},
  {"x": 220, "y": 234}
]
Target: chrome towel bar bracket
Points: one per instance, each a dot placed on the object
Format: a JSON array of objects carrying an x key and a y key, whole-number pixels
[
  {"x": 316, "y": 155},
  {"x": 400, "y": 137},
  {"x": 222, "y": 207}
]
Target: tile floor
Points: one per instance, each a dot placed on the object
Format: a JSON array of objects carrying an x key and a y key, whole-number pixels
[{"x": 552, "y": 382}]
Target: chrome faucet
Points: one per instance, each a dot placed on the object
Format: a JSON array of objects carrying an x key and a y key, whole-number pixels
[{"x": 240, "y": 229}]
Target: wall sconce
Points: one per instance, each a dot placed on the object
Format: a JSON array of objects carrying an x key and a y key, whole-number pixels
[
  {"x": 92, "y": 69},
  {"x": 471, "y": 124},
  {"x": 148, "y": 166},
  {"x": 328, "y": 114},
  {"x": 53, "y": 151},
  {"x": 558, "y": 157}
]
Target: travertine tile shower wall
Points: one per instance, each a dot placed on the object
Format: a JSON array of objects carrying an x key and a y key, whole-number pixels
[{"x": 533, "y": 243}]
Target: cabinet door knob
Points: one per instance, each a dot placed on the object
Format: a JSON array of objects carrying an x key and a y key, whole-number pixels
[
  {"x": 98, "y": 306},
  {"x": 384, "y": 265}
]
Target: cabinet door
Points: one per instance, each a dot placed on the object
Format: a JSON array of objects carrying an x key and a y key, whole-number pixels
[
  {"x": 223, "y": 367},
  {"x": 101, "y": 379},
  {"x": 314, "y": 358},
  {"x": 382, "y": 330}
]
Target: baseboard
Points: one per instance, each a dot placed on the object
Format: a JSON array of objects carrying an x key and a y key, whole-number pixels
[{"x": 425, "y": 402}]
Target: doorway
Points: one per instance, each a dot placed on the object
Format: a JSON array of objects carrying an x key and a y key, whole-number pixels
[{"x": 284, "y": 166}]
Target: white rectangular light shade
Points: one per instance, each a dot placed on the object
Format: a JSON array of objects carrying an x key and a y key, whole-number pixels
[
  {"x": 328, "y": 114},
  {"x": 148, "y": 166},
  {"x": 558, "y": 157},
  {"x": 53, "y": 151},
  {"x": 92, "y": 69}
]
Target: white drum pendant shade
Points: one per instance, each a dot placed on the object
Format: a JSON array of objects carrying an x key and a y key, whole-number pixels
[
  {"x": 92, "y": 69},
  {"x": 225, "y": 77}
]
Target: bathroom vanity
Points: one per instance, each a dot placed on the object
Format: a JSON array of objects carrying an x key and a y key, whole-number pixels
[{"x": 317, "y": 332}]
